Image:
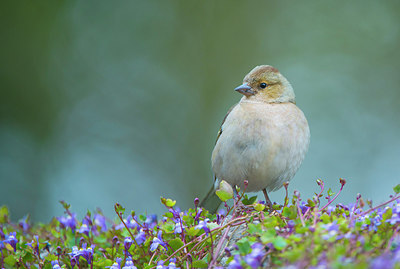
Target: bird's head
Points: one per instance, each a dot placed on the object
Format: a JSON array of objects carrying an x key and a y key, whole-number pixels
[{"x": 265, "y": 83}]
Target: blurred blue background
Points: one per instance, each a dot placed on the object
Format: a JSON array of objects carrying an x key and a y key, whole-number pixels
[{"x": 104, "y": 102}]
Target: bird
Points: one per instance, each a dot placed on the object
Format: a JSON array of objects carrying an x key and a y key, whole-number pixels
[{"x": 263, "y": 139}]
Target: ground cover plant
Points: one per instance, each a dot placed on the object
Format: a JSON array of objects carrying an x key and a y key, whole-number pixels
[{"x": 302, "y": 233}]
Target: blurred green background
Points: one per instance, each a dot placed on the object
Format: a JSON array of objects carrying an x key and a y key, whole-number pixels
[{"x": 104, "y": 102}]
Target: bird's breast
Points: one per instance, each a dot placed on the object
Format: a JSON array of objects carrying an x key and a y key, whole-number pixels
[{"x": 262, "y": 143}]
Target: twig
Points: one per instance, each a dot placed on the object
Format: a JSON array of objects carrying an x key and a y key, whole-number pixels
[
  {"x": 152, "y": 257},
  {"x": 343, "y": 182},
  {"x": 376, "y": 207},
  {"x": 133, "y": 237},
  {"x": 300, "y": 213}
]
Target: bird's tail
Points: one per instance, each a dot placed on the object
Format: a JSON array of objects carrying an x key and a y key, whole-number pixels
[{"x": 211, "y": 202}]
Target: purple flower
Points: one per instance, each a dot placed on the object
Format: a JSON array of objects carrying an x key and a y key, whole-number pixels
[
  {"x": 220, "y": 215},
  {"x": 160, "y": 265},
  {"x": 303, "y": 207},
  {"x": 396, "y": 208},
  {"x": 75, "y": 251},
  {"x": 158, "y": 241},
  {"x": 68, "y": 222},
  {"x": 130, "y": 222},
  {"x": 175, "y": 212},
  {"x": 11, "y": 241},
  {"x": 127, "y": 244},
  {"x": 87, "y": 220},
  {"x": 256, "y": 256},
  {"x": 34, "y": 245},
  {"x": 172, "y": 264},
  {"x": 55, "y": 265},
  {"x": 394, "y": 219},
  {"x": 140, "y": 237},
  {"x": 116, "y": 264},
  {"x": 23, "y": 224},
  {"x": 235, "y": 263},
  {"x": 129, "y": 264},
  {"x": 86, "y": 253},
  {"x": 396, "y": 254},
  {"x": 291, "y": 224},
  {"x": 74, "y": 256},
  {"x": 151, "y": 221},
  {"x": 100, "y": 220},
  {"x": 203, "y": 225},
  {"x": 345, "y": 207},
  {"x": 198, "y": 213},
  {"x": 332, "y": 229},
  {"x": 382, "y": 262},
  {"x": 222, "y": 211},
  {"x": 178, "y": 228},
  {"x": 84, "y": 229}
]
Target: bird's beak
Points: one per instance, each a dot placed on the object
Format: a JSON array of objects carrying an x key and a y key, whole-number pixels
[{"x": 245, "y": 89}]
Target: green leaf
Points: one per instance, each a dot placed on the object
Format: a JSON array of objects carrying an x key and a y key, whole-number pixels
[
  {"x": 224, "y": 191},
  {"x": 199, "y": 264},
  {"x": 103, "y": 263},
  {"x": 279, "y": 242},
  {"x": 9, "y": 247},
  {"x": 65, "y": 205},
  {"x": 27, "y": 257},
  {"x": 293, "y": 255},
  {"x": 301, "y": 230},
  {"x": 223, "y": 196},
  {"x": 268, "y": 236},
  {"x": 168, "y": 202},
  {"x": 244, "y": 245},
  {"x": 388, "y": 214},
  {"x": 276, "y": 207},
  {"x": 212, "y": 225},
  {"x": 310, "y": 203},
  {"x": 10, "y": 260},
  {"x": 175, "y": 243},
  {"x": 259, "y": 207},
  {"x": 100, "y": 239},
  {"x": 51, "y": 257},
  {"x": 330, "y": 192},
  {"x": 254, "y": 228},
  {"x": 192, "y": 231},
  {"x": 168, "y": 227},
  {"x": 4, "y": 214},
  {"x": 397, "y": 189},
  {"x": 169, "y": 215},
  {"x": 249, "y": 201},
  {"x": 119, "y": 209},
  {"x": 189, "y": 220},
  {"x": 290, "y": 212},
  {"x": 325, "y": 218}
]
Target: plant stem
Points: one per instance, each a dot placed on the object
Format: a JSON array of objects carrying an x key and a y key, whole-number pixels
[
  {"x": 378, "y": 206},
  {"x": 300, "y": 213},
  {"x": 133, "y": 238},
  {"x": 341, "y": 188}
]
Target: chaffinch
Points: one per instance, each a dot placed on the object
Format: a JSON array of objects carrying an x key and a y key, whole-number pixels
[{"x": 263, "y": 139}]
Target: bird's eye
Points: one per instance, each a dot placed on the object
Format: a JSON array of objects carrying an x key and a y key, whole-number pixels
[{"x": 263, "y": 85}]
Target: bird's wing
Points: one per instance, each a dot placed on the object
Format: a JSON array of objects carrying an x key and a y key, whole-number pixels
[
  {"x": 212, "y": 201},
  {"x": 220, "y": 128}
]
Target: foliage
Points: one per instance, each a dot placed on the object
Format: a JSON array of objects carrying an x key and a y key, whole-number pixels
[{"x": 300, "y": 233}]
